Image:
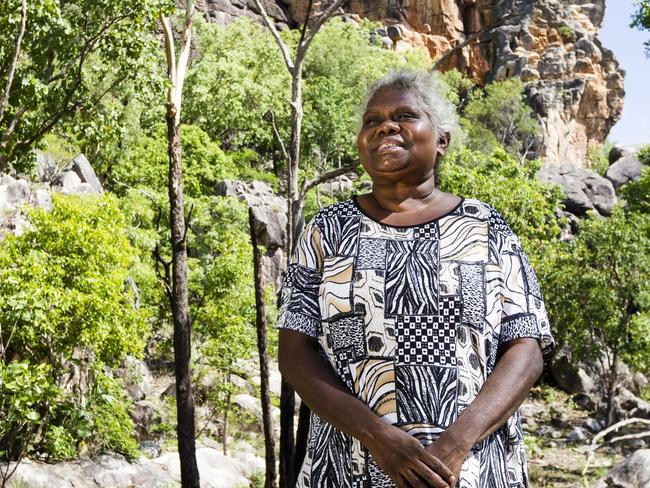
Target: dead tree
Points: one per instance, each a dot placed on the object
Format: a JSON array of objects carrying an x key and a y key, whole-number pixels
[
  {"x": 178, "y": 291},
  {"x": 295, "y": 205}
]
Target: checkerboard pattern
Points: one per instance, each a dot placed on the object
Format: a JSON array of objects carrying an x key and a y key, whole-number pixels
[
  {"x": 426, "y": 231},
  {"x": 429, "y": 339}
]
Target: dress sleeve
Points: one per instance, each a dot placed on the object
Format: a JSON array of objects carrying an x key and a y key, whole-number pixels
[
  {"x": 523, "y": 309},
  {"x": 299, "y": 300}
]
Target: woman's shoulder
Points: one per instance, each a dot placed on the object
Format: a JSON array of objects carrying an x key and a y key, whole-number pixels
[{"x": 344, "y": 208}]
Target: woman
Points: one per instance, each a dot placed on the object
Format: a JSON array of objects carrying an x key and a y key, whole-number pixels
[{"x": 411, "y": 322}]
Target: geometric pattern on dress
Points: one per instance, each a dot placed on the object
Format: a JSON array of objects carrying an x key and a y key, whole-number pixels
[
  {"x": 472, "y": 289},
  {"x": 347, "y": 335},
  {"x": 359, "y": 453},
  {"x": 475, "y": 209},
  {"x": 469, "y": 473},
  {"x": 342, "y": 367},
  {"x": 423, "y": 432},
  {"x": 340, "y": 236},
  {"x": 428, "y": 231},
  {"x": 332, "y": 459},
  {"x": 368, "y": 299},
  {"x": 531, "y": 280},
  {"x": 493, "y": 465},
  {"x": 426, "y": 394},
  {"x": 516, "y": 326},
  {"x": 429, "y": 339},
  {"x": 378, "y": 479},
  {"x": 515, "y": 299},
  {"x": 372, "y": 254},
  {"x": 463, "y": 239},
  {"x": 411, "y": 278},
  {"x": 536, "y": 307},
  {"x": 374, "y": 230},
  {"x": 470, "y": 361},
  {"x": 449, "y": 278},
  {"x": 374, "y": 384},
  {"x": 304, "y": 284},
  {"x": 300, "y": 323},
  {"x": 336, "y": 287},
  {"x": 309, "y": 247}
]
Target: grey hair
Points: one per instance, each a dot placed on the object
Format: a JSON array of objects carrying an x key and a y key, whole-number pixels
[{"x": 430, "y": 91}]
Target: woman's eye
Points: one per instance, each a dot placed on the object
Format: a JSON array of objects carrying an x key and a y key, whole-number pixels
[
  {"x": 406, "y": 115},
  {"x": 370, "y": 121}
]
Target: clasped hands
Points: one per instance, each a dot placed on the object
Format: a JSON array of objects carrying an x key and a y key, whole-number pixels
[{"x": 410, "y": 465}]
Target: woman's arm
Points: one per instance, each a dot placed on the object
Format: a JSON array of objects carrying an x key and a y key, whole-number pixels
[
  {"x": 515, "y": 373},
  {"x": 399, "y": 454}
]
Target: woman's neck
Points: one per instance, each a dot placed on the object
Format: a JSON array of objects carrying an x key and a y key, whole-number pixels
[{"x": 400, "y": 197}]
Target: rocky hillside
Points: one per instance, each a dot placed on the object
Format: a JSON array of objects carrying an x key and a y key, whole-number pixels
[{"x": 573, "y": 82}]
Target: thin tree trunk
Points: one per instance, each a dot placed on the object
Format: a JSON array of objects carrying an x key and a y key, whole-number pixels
[
  {"x": 287, "y": 453},
  {"x": 302, "y": 435},
  {"x": 226, "y": 421},
  {"x": 612, "y": 377},
  {"x": 262, "y": 348},
  {"x": 180, "y": 308}
]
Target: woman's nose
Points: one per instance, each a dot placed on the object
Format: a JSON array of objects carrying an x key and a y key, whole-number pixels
[{"x": 388, "y": 126}]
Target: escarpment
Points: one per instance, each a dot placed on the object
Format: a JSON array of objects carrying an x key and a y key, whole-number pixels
[{"x": 573, "y": 83}]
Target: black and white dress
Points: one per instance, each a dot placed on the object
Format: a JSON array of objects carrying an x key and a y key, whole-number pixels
[{"x": 411, "y": 320}]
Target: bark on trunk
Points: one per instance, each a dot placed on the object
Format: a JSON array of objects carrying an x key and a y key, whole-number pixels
[
  {"x": 262, "y": 348},
  {"x": 287, "y": 452},
  {"x": 180, "y": 309}
]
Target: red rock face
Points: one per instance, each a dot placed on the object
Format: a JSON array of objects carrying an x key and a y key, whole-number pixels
[{"x": 572, "y": 82}]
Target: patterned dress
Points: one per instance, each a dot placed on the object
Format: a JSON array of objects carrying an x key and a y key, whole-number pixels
[{"x": 411, "y": 320}]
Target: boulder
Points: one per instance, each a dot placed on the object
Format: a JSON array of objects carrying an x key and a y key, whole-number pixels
[
  {"x": 571, "y": 377},
  {"x": 137, "y": 377},
  {"x": 86, "y": 173},
  {"x": 269, "y": 210},
  {"x": 584, "y": 189},
  {"x": 69, "y": 182},
  {"x": 633, "y": 472},
  {"x": 626, "y": 169},
  {"x": 142, "y": 414},
  {"x": 618, "y": 152},
  {"x": 576, "y": 435}
]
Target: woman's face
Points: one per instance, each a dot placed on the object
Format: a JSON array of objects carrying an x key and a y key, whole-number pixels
[{"x": 397, "y": 141}]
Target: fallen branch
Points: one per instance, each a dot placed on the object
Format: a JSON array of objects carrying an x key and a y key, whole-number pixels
[{"x": 595, "y": 441}]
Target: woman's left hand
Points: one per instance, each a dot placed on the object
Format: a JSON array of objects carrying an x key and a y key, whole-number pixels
[{"x": 447, "y": 450}]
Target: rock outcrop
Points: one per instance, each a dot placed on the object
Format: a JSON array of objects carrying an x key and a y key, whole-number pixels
[
  {"x": 633, "y": 472},
  {"x": 583, "y": 189},
  {"x": 572, "y": 81}
]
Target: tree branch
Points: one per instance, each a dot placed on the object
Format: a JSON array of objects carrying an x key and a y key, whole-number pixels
[
  {"x": 169, "y": 53},
  {"x": 283, "y": 47},
  {"x": 183, "y": 58},
  {"x": 271, "y": 115},
  {"x": 320, "y": 20},
  {"x": 323, "y": 177},
  {"x": 4, "y": 99}
]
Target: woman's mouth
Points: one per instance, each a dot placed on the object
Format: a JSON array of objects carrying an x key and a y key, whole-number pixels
[{"x": 388, "y": 147}]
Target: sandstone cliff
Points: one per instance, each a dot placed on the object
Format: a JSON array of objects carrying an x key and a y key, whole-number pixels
[{"x": 573, "y": 83}]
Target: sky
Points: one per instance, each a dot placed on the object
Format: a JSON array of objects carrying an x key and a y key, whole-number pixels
[{"x": 627, "y": 43}]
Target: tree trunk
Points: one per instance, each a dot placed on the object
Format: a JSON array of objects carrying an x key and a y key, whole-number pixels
[
  {"x": 302, "y": 435},
  {"x": 180, "y": 309},
  {"x": 612, "y": 380},
  {"x": 287, "y": 453},
  {"x": 226, "y": 421},
  {"x": 263, "y": 350}
]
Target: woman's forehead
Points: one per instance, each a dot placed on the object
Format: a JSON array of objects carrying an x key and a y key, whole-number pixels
[{"x": 393, "y": 97}]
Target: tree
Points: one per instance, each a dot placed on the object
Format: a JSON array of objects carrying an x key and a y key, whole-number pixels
[
  {"x": 598, "y": 294},
  {"x": 641, "y": 19},
  {"x": 500, "y": 117},
  {"x": 176, "y": 274},
  {"x": 65, "y": 305},
  {"x": 60, "y": 59}
]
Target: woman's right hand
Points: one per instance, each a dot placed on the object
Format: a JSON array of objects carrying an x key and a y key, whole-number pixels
[{"x": 406, "y": 461}]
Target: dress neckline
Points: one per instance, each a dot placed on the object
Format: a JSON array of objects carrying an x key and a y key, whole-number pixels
[{"x": 448, "y": 212}]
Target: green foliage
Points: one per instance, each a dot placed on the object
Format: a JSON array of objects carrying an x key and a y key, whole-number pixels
[
  {"x": 641, "y": 19},
  {"x": 566, "y": 32},
  {"x": 239, "y": 77},
  {"x": 72, "y": 54},
  {"x": 500, "y": 117},
  {"x": 598, "y": 287},
  {"x": 65, "y": 304},
  {"x": 26, "y": 394},
  {"x": 644, "y": 155},
  {"x": 510, "y": 187},
  {"x": 459, "y": 86},
  {"x": 63, "y": 284},
  {"x": 598, "y": 156},
  {"x": 637, "y": 194}
]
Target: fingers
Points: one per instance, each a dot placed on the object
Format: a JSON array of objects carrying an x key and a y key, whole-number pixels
[
  {"x": 436, "y": 465},
  {"x": 430, "y": 477}
]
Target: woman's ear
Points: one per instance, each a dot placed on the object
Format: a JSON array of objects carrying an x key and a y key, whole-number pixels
[{"x": 443, "y": 142}]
